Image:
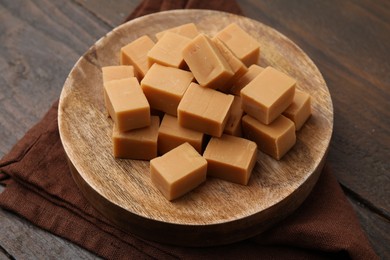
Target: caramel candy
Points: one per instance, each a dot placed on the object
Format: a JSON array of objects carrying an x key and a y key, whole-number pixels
[
  {"x": 204, "y": 110},
  {"x": 233, "y": 125},
  {"x": 268, "y": 95},
  {"x": 188, "y": 30},
  {"x": 241, "y": 82},
  {"x": 235, "y": 64},
  {"x": 117, "y": 72},
  {"x": 171, "y": 135},
  {"x": 127, "y": 104},
  {"x": 165, "y": 86},
  {"x": 178, "y": 171},
  {"x": 244, "y": 46},
  {"x": 230, "y": 158},
  {"x": 209, "y": 67},
  {"x": 275, "y": 139},
  {"x": 137, "y": 144},
  {"x": 299, "y": 110},
  {"x": 135, "y": 53},
  {"x": 168, "y": 50}
]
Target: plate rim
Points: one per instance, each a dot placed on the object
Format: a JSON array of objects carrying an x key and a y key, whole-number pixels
[{"x": 118, "y": 28}]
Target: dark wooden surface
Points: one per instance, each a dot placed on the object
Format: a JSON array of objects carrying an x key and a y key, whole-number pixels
[{"x": 348, "y": 40}]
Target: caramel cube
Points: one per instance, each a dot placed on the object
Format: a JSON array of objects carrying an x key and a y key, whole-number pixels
[
  {"x": 209, "y": 67},
  {"x": 117, "y": 72},
  {"x": 135, "y": 53},
  {"x": 188, "y": 30},
  {"x": 137, "y": 144},
  {"x": 178, "y": 171},
  {"x": 168, "y": 50},
  {"x": 127, "y": 104},
  {"x": 275, "y": 139},
  {"x": 241, "y": 82},
  {"x": 268, "y": 95},
  {"x": 233, "y": 125},
  {"x": 204, "y": 110},
  {"x": 237, "y": 66},
  {"x": 231, "y": 158},
  {"x": 165, "y": 86},
  {"x": 299, "y": 110},
  {"x": 244, "y": 46},
  {"x": 171, "y": 135}
]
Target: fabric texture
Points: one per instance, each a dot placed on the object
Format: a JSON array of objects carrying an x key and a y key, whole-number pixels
[{"x": 40, "y": 188}]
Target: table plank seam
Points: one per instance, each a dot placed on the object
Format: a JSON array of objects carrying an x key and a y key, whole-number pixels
[
  {"x": 2, "y": 249},
  {"x": 366, "y": 203}
]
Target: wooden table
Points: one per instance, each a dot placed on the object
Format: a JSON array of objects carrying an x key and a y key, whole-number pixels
[{"x": 348, "y": 40}]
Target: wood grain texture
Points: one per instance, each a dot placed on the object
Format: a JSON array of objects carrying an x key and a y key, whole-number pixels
[
  {"x": 112, "y": 14},
  {"x": 38, "y": 50},
  {"x": 316, "y": 26},
  {"x": 122, "y": 190},
  {"x": 376, "y": 227},
  {"x": 40, "y": 42},
  {"x": 349, "y": 42}
]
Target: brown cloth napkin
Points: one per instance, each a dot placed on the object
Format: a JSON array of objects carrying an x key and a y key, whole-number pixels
[{"x": 39, "y": 187}]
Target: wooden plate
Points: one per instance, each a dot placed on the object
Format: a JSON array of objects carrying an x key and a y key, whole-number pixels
[{"x": 217, "y": 212}]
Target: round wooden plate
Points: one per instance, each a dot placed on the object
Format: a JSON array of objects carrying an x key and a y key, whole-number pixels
[{"x": 217, "y": 212}]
